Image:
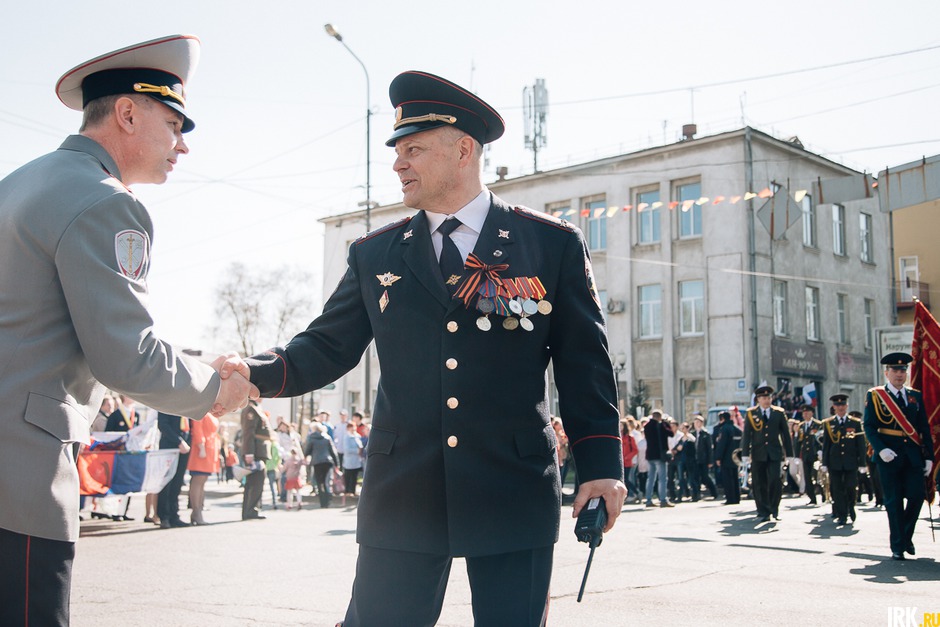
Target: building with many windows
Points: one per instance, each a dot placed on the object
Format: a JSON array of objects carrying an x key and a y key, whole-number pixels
[{"x": 717, "y": 266}]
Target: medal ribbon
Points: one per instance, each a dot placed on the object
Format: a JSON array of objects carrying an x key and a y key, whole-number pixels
[{"x": 479, "y": 272}]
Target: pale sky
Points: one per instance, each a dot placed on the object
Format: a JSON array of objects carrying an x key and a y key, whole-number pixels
[{"x": 280, "y": 106}]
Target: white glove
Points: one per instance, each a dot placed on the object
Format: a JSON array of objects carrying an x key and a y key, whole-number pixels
[
  {"x": 887, "y": 455},
  {"x": 819, "y": 455},
  {"x": 746, "y": 459},
  {"x": 863, "y": 470},
  {"x": 928, "y": 466},
  {"x": 823, "y": 469}
]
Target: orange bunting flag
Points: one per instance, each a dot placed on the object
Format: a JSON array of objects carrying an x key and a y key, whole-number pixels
[
  {"x": 718, "y": 200},
  {"x": 674, "y": 204},
  {"x": 765, "y": 193},
  {"x": 627, "y": 207},
  {"x": 585, "y": 213},
  {"x": 735, "y": 199},
  {"x": 557, "y": 214}
]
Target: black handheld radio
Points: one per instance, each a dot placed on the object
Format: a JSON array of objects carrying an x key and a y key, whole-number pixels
[{"x": 590, "y": 529}]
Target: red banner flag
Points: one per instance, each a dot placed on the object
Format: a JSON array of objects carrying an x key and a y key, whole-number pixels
[{"x": 925, "y": 376}]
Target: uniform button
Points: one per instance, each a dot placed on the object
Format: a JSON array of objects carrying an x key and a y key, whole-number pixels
[
  {"x": 452, "y": 441},
  {"x": 452, "y": 402},
  {"x": 452, "y": 326},
  {"x": 451, "y": 364}
]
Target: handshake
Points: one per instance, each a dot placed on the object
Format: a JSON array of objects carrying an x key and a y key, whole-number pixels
[{"x": 236, "y": 389}]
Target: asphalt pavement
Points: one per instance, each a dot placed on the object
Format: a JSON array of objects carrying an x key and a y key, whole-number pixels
[{"x": 697, "y": 564}]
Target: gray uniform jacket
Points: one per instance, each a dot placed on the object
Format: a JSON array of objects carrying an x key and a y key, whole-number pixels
[{"x": 74, "y": 256}]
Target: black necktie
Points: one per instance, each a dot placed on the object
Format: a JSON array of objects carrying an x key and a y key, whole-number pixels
[
  {"x": 451, "y": 260},
  {"x": 901, "y": 401},
  {"x": 766, "y": 414}
]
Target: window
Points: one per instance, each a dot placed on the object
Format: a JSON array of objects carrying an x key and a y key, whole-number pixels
[
  {"x": 693, "y": 397},
  {"x": 909, "y": 276},
  {"x": 812, "y": 313},
  {"x": 869, "y": 322},
  {"x": 809, "y": 221},
  {"x": 865, "y": 237},
  {"x": 842, "y": 318},
  {"x": 691, "y": 307},
  {"x": 559, "y": 209},
  {"x": 597, "y": 223},
  {"x": 651, "y": 311},
  {"x": 838, "y": 229},
  {"x": 647, "y": 217},
  {"x": 780, "y": 308},
  {"x": 690, "y": 213}
]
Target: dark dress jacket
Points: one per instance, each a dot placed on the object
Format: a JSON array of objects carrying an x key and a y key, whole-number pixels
[
  {"x": 843, "y": 445},
  {"x": 461, "y": 458},
  {"x": 771, "y": 441},
  {"x": 877, "y": 420}
]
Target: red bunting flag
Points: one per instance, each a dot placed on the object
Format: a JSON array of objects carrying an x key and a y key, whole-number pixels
[{"x": 925, "y": 376}]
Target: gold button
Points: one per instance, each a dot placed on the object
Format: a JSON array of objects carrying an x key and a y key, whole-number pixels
[
  {"x": 452, "y": 441},
  {"x": 452, "y": 402},
  {"x": 452, "y": 326},
  {"x": 451, "y": 364}
]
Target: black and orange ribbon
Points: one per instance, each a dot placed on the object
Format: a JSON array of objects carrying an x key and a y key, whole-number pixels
[{"x": 480, "y": 273}]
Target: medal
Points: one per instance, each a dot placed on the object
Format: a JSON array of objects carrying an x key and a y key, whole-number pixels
[
  {"x": 485, "y": 305},
  {"x": 529, "y": 307},
  {"x": 484, "y": 324},
  {"x": 545, "y": 307},
  {"x": 526, "y": 324},
  {"x": 515, "y": 306},
  {"x": 510, "y": 324}
]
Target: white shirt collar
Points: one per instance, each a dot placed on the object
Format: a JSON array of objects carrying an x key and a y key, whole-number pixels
[
  {"x": 895, "y": 390},
  {"x": 472, "y": 215}
]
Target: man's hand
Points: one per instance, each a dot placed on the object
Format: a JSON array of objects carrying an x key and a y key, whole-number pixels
[
  {"x": 863, "y": 470},
  {"x": 928, "y": 466},
  {"x": 236, "y": 389},
  {"x": 823, "y": 469},
  {"x": 887, "y": 455},
  {"x": 613, "y": 491}
]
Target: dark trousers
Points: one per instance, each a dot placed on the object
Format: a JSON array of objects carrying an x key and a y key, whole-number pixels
[
  {"x": 350, "y": 479},
  {"x": 900, "y": 480},
  {"x": 765, "y": 483},
  {"x": 168, "y": 501},
  {"x": 842, "y": 485},
  {"x": 702, "y": 476},
  {"x": 508, "y": 590},
  {"x": 730, "y": 482},
  {"x": 35, "y": 581},
  {"x": 809, "y": 476},
  {"x": 251, "y": 500}
]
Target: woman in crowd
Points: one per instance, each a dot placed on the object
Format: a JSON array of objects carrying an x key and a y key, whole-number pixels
[{"x": 203, "y": 462}]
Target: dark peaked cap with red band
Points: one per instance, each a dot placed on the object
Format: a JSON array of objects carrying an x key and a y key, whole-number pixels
[
  {"x": 424, "y": 101},
  {"x": 159, "y": 68}
]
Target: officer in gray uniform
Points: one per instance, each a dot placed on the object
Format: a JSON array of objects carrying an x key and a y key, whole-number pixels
[{"x": 74, "y": 256}]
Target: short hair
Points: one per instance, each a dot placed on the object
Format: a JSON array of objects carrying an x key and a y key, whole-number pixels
[
  {"x": 98, "y": 110},
  {"x": 657, "y": 413}
]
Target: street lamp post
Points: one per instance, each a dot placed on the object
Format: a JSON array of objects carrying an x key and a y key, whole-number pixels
[{"x": 367, "y": 375}]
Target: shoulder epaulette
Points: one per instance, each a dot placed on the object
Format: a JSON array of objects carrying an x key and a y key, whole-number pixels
[
  {"x": 858, "y": 420},
  {"x": 829, "y": 419},
  {"x": 778, "y": 408},
  {"x": 383, "y": 229},
  {"x": 912, "y": 389},
  {"x": 544, "y": 218}
]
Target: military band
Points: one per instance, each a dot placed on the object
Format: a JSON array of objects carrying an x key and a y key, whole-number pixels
[{"x": 808, "y": 449}]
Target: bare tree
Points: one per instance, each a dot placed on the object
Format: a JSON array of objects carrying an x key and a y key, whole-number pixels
[{"x": 261, "y": 308}]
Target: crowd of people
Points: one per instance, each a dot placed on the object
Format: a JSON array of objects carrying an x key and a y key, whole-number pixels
[{"x": 328, "y": 459}]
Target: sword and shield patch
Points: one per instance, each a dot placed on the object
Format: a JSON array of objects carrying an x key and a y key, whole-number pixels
[{"x": 132, "y": 249}]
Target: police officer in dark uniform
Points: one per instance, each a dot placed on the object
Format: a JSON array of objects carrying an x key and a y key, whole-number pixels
[
  {"x": 843, "y": 458},
  {"x": 808, "y": 449},
  {"x": 467, "y": 301},
  {"x": 896, "y": 427},
  {"x": 766, "y": 439},
  {"x": 727, "y": 440},
  {"x": 175, "y": 433}
]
